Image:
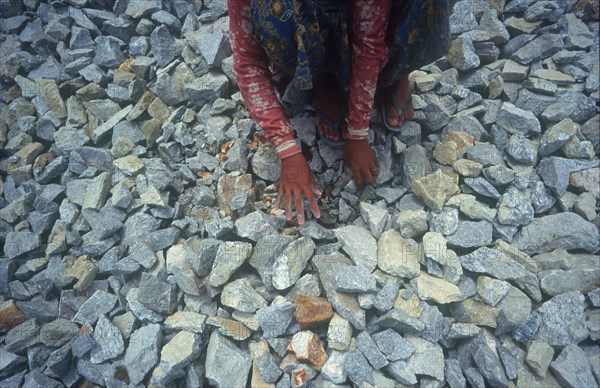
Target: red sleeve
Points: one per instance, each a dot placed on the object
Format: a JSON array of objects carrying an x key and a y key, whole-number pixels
[
  {"x": 369, "y": 54},
  {"x": 250, "y": 64}
]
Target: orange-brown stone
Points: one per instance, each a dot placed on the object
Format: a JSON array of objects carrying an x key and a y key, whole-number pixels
[
  {"x": 10, "y": 316},
  {"x": 312, "y": 311},
  {"x": 86, "y": 329},
  {"x": 462, "y": 139},
  {"x": 300, "y": 377},
  {"x": 308, "y": 348}
]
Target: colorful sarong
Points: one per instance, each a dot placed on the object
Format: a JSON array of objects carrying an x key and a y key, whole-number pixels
[{"x": 303, "y": 38}]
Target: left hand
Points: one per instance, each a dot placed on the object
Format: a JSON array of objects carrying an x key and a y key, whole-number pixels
[
  {"x": 297, "y": 181},
  {"x": 360, "y": 156}
]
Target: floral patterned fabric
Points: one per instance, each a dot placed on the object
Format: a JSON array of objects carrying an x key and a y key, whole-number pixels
[
  {"x": 304, "y": 38},
  {"x": 351, "y": 39},
  {"x": 418, "y": 34}
]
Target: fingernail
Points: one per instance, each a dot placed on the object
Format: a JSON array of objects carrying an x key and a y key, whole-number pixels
[
  {"x": 318, "y": 215},
  {"x": 300, "y": 220}
]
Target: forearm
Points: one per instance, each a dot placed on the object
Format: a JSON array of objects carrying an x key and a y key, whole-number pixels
[
  {"x": 254, "y": 80},
  {"x": 265, "y": 109},
  {"x": 370, "y": 51}
]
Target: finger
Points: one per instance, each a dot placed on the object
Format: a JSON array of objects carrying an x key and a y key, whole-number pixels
[
  {"x": 288, "y": 205},
  {"x": 313, "y": 186},
  {"x": 279, "y": 195},
  {"x": 313, "y": 203},
  {"x": 299, "y": 206},
  {"x": 357, "y": 177},
  {"x": 368, "y": 176},
  {"x": 374, "y": 169}
]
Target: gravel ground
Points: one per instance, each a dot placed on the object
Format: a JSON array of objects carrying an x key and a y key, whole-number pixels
[{"x": 141, "y": 248}]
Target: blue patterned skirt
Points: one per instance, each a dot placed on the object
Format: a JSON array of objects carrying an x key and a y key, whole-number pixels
[{"x": 303, "y": 38}]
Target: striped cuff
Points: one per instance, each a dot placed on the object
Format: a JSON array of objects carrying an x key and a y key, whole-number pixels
[
  {"x": 287, "y": 148},
  {"x": 358, "y": 134}
]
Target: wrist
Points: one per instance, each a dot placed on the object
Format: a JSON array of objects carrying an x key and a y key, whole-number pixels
[
  {"x": 357, "y": 132},
  {"x": 358, "y": 141},
  {"x": 287, "y": 148}
]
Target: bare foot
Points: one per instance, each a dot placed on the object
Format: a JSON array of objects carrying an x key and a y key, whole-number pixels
[
  {"x": 329, "y": 100},
  {"x": 401, "y": 92}
]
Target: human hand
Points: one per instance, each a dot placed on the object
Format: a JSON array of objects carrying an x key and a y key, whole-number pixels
[
  {"x": 297, "y": 180},
  {"x": 360, "y": 156}
]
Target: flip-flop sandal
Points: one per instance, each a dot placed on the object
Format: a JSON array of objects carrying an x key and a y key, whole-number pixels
[
  {"x": 399, "y": 111},
  {"x": 336, "y": 125}
]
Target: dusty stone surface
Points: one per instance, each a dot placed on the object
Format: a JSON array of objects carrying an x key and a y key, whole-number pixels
[{"x": 138, "y": 234}]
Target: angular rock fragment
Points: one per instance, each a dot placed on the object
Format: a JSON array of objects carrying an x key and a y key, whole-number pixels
[
  {"x": 288, "y": 267},
  {"x": 398, "y": 256},
  {"x": 256, "y": 225},
  {"x": 541, "y": 47},
  {"x": 435, "y": 189},
  {"x": 142, "y": 352},
  {"x": 556, "y": 282},
  {"x": 308, "y": 348},
  {"x": 385, "y": 298},
  {"x": 22, "y": 336},
  {"x": 268, "y": 368},
  {"x": 556, "y": 171},
  {"x": 333, "y": 370},
  {"x": 539, "y": 356},
  {"x": 562, "y": 320},
  {"x": 393, "y": 346},
  {"x": 230, "y": 256},
  {"x": 156, "y": 294},
  {"x": 164, "y": 47},
  {"x": 453, "y": 373},
  {"x": 499, "y": 265},
  {"x": 572, "y": 368},
  {"x": 488, "y": 362},
  {"x": 437, "y": 290},
  {"x": 312, "y": 310},
  {"x": 428, "y": 358},
  {"x": 491, "y": 290},
  {"x": 471, "y": 234},
  {"x": 240, "y": 295},
  {"x": 176, "y": 355},
  {"x": 109, "y": 342},
  {"x": 339, "y": 333},
  {"x": 398, "y": 320},
  {"x": 58, "y": 332},
  {"x": 230, "y": 328},
  {"x": 99, "y": 303},
  {"x": 476, "y": 312},
  {"x": 358, "y": 369},
  {"x": 345, "y": 305},
  {"x": 413, "y": 223},
  {"x": 140, "y": 311},
  {"x": 353, "y": 279},
  {"x": 375, "y": 217},
  {"x": 266, "y": 250},
  {"x": 563, "y": 230},
  {"x": 359, "y": 245},
  {"x": 275, "y": 319},
  {"x": 369, "y": 349},
  {"x": 186, "y": 320}
]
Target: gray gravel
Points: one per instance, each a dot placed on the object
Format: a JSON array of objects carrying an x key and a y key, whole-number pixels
[{"x": 140, "y": 245}]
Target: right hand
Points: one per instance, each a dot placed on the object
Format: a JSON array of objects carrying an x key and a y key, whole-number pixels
[
  {"x": 297, "y": 181},
  {"x": 359, "y": 155}
]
